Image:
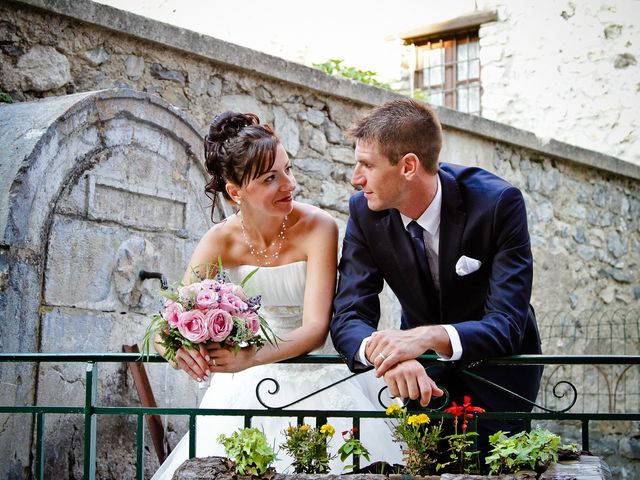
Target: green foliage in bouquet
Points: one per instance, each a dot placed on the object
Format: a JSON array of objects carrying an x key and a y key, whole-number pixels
[
  {"x": 250, "y": 450},
  {"x": 308, "y": 447},
  {"x": 533, "y": 450}
]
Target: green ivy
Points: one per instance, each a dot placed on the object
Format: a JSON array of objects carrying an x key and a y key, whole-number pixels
[
  {"x": 250, "y": 451},
  {"x": 533, "y": 450}
]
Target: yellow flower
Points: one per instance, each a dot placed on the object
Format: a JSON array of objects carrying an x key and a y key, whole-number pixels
[
  {"x": 418, "y": 419},
  {"x": 328, "y": 429},
  {"x": 290, "y": 429},
  {"x": 304, "y": 428},
  {"x": 393, "y": 409}
]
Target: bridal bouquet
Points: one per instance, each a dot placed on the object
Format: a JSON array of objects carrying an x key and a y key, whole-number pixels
[{"x": 211, "y": 310}]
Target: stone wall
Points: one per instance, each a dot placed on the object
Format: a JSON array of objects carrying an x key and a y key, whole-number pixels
[
  {"x": 565, "y": 70},
  {"x": 583, "y": 207},
  {"x": 561, "y": 69}
]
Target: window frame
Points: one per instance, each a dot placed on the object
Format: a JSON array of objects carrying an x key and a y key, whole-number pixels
[
  {"x": 452, "y": 83},
  {"x": 449, "y": 34}
]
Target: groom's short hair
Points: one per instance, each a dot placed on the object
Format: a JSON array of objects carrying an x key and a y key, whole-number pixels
[{"x": 402, "y": 126}]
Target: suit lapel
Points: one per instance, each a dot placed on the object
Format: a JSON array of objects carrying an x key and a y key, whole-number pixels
[{"x": 452, "y": 221}]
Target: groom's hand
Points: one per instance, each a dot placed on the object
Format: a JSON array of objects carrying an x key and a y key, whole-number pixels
[
  {"x": 408, "y": 379},
  {"x": 390, "y": 347}
]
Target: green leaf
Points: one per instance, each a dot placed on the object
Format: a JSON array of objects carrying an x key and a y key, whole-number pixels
[
  {"x": 250, "y": 451},
  {"x": 248, "y": 277}
]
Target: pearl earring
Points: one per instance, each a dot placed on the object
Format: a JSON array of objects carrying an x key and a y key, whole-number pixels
[{"x": 238, "y": 202}]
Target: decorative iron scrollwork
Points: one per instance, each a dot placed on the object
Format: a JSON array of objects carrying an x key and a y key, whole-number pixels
[
  {"x": 526, "y": 400},
  {"x": 444, "y": 400},
  {"x": 276, "y": 389}
]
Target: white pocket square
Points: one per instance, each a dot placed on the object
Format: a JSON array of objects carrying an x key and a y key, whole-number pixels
[{"x": 466, "y": 265}]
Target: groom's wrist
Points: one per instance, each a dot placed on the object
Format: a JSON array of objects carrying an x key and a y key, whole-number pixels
[
  {"x": 361, "y": 354},
  {"x": 438, "y": 340}
]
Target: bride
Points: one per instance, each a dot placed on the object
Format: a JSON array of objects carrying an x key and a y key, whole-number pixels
[{"x": 295, "y": 247}]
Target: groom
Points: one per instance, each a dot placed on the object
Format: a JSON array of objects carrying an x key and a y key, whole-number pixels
[{"x": 452, "y": 243}]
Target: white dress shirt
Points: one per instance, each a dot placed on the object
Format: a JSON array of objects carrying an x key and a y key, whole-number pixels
[{"x": 430, "y": 222}]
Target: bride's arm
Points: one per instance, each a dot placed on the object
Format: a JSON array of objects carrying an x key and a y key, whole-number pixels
[
  {"x": 321, "y": 248},
  {"x": 194, "y": 362}
]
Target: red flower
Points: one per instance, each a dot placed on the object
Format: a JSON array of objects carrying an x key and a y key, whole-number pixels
[
  {"x": 465, "y": 411},
  {"x": 475, "y": 409},
  {"x": 455, "y": 409}
]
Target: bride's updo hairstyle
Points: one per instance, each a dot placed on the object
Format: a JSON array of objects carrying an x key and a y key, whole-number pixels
[{"x": 237, "y": 149}]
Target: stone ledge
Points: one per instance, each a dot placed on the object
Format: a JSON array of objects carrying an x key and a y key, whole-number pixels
[
  {"x": 254, "y": 62},
  {"x": 218, "y": 468}
]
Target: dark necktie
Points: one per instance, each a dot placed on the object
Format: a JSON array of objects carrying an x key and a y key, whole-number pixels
[{"x": 417, "y": 235}]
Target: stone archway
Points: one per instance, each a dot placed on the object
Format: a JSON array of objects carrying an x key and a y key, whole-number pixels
[{"x": 95, "y": 187}]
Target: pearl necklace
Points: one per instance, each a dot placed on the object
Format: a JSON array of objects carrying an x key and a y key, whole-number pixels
[{"x": 262, "y": 257}]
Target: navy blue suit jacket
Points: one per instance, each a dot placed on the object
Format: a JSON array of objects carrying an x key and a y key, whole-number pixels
[{"x": 482, "y": 217}]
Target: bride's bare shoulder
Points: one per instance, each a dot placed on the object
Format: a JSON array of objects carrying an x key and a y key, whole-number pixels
[
  {"x": 220, "y": 235},
  {"x": 311, "y": 217}
]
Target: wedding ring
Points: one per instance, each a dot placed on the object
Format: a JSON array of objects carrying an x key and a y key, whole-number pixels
[
  {"x": 214, "y": 362},
  {"x": 382, "y": 355}
]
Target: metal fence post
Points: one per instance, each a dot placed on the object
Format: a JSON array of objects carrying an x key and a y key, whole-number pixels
[
  {"x": 91, "y": 394},
  {"x": 192, "y": 435},
  {"x": 140, "y": 448},
  {"x": 39, "y": 446}
]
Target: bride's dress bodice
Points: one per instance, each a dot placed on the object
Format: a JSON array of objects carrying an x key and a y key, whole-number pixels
[
  {"x": 281, "y": 289},
  {"x": 282, "y": 292}
]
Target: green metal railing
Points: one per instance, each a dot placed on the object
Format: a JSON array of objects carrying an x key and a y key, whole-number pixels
[{"x": 90, "y": 410}]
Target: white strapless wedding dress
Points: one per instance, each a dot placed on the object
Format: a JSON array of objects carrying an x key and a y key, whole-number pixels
[{"x": 282, "y": 290}]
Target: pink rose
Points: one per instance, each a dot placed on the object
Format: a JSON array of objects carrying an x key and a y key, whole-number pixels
[
  {"x": 252, "y": 320},
  {"x": 206, "y": 299},
  {"x": 236, "y": 290},
  {"x": 171, "y": 311},
  {"x": 193, "y": 326},
  {"x": 231, "y": 303},
  {"x": 219, "y": 324}
]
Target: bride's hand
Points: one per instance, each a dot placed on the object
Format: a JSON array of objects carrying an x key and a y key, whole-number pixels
[
  {"x": 226, "y": 360},
  {"x": 194, "y": 362}
]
